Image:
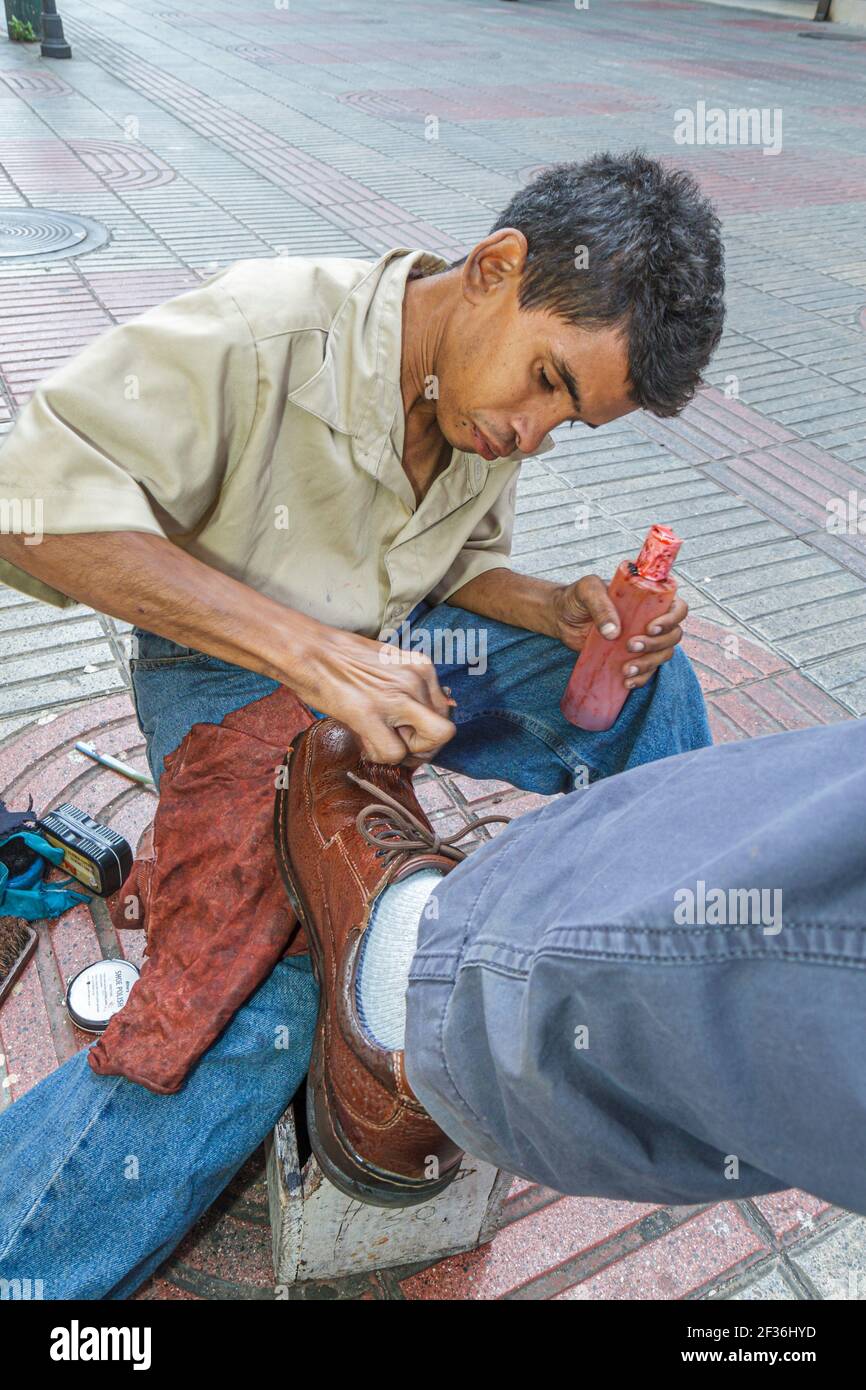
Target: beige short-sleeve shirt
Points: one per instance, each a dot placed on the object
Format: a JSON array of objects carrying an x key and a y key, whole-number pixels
[{"x": 256, "y": 421}]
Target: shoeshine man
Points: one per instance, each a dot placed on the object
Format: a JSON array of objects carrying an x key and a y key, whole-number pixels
[{"x": 268, "y": 474}]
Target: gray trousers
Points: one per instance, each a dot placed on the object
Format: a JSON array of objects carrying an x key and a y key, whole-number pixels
[{"x": 654, "y": 988}]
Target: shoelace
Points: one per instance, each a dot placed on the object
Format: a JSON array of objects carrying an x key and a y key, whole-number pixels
[{"x": 403, "y": 832}]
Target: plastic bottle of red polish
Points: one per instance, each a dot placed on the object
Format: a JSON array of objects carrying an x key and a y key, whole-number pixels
[{"x": 639, "y": 591}]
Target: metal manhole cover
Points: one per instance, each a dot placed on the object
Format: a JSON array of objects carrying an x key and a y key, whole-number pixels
[{"x": 38, "y": 233}]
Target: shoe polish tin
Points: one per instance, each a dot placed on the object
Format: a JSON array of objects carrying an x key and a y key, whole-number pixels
[{"x": 98, "y": 991}]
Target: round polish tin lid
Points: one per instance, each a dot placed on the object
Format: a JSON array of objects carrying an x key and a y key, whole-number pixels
[{"x": 96, "y": 993}]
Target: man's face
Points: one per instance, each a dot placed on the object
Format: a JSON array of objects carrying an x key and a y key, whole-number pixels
[{"x": 506, "y": 375}]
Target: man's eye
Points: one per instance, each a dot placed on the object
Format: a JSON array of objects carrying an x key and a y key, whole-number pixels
[{"x": 547, "y": 383}]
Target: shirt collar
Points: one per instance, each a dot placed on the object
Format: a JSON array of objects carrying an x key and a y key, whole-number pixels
[{"x": 357, "y": 388}]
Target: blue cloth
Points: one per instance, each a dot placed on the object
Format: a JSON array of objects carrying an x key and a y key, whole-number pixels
[
  {"x": 26, "y": 895},
  {"x": 655, "y": 989},
  {"x": 66, "y": 1146}
]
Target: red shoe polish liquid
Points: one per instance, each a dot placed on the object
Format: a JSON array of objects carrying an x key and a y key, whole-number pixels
[{"x": 640, "y": 591}]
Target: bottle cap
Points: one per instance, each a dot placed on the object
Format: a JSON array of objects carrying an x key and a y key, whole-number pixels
[{"x": 660, "y": 549}]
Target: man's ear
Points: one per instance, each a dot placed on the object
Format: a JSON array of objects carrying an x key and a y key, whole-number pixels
[{"x": 496, "y": 261}]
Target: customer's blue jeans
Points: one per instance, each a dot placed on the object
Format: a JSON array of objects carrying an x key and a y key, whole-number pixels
[{"x": 100, "y": 1178}]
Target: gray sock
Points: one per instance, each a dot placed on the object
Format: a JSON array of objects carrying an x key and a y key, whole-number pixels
[{"x": 386, "y": 955}]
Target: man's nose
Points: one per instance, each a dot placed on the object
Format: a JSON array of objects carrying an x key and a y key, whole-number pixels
[{"x": 530, "y": 429}]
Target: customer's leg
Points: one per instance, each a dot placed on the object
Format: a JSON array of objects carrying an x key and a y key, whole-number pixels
[
  {"x": 100, "y": 1178},
  {"x": 508, "y": 684},
  {"x": 656, "y": 989}
]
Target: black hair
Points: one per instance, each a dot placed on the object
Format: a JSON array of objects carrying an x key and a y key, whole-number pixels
[{"x": 654, "y": 261}]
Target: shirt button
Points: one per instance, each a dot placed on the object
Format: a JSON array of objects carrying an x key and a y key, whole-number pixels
[{"x": 478, "y": 470}]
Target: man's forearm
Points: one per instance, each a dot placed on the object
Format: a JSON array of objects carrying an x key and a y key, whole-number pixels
[
  {"x": 507, "y": 597},
  {"x": 145, "y": 580},
  {"x": 397, "y": 709}
]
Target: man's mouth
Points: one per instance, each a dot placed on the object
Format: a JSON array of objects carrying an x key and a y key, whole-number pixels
[{"x": 483, "y": 445}]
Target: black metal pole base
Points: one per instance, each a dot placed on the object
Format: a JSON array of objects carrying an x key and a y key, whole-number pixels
[{"x": 54, "y": 45}]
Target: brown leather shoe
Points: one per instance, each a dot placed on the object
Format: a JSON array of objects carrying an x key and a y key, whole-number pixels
[{"x": 345, "y": 830}]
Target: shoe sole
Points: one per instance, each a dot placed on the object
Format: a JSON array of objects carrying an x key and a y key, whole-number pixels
[{"x": 354, "y": 1178}]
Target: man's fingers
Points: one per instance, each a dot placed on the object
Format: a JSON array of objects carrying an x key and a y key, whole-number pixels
[
  {"x": 413, "y": 760},
  {"x": 591, "y": 593},
  {"x": 421, "y": 677},
  {"x": 426, "y": 690},
  {"x": 648, "y": 645},
  {"x": 641, "y": 669},
  {"x": 409, "y": 729},
  {"x": 381, "y": 744},
  {"x": 412, "y": 734},
  {"x": 675, "y": 615},
  {"x": 638, "y": 682},
  {"x": 422, "y": 731},
  {"x": 441, "y": 703}
]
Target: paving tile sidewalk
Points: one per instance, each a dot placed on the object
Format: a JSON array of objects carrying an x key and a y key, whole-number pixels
[{"x": 197, "y": 139}]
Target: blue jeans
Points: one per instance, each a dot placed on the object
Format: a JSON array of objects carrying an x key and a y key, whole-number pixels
[{"x": 100, "y": 1178}]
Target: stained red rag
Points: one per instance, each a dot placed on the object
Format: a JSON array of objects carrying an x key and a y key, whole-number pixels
[{"x": 206, "y": 888}]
